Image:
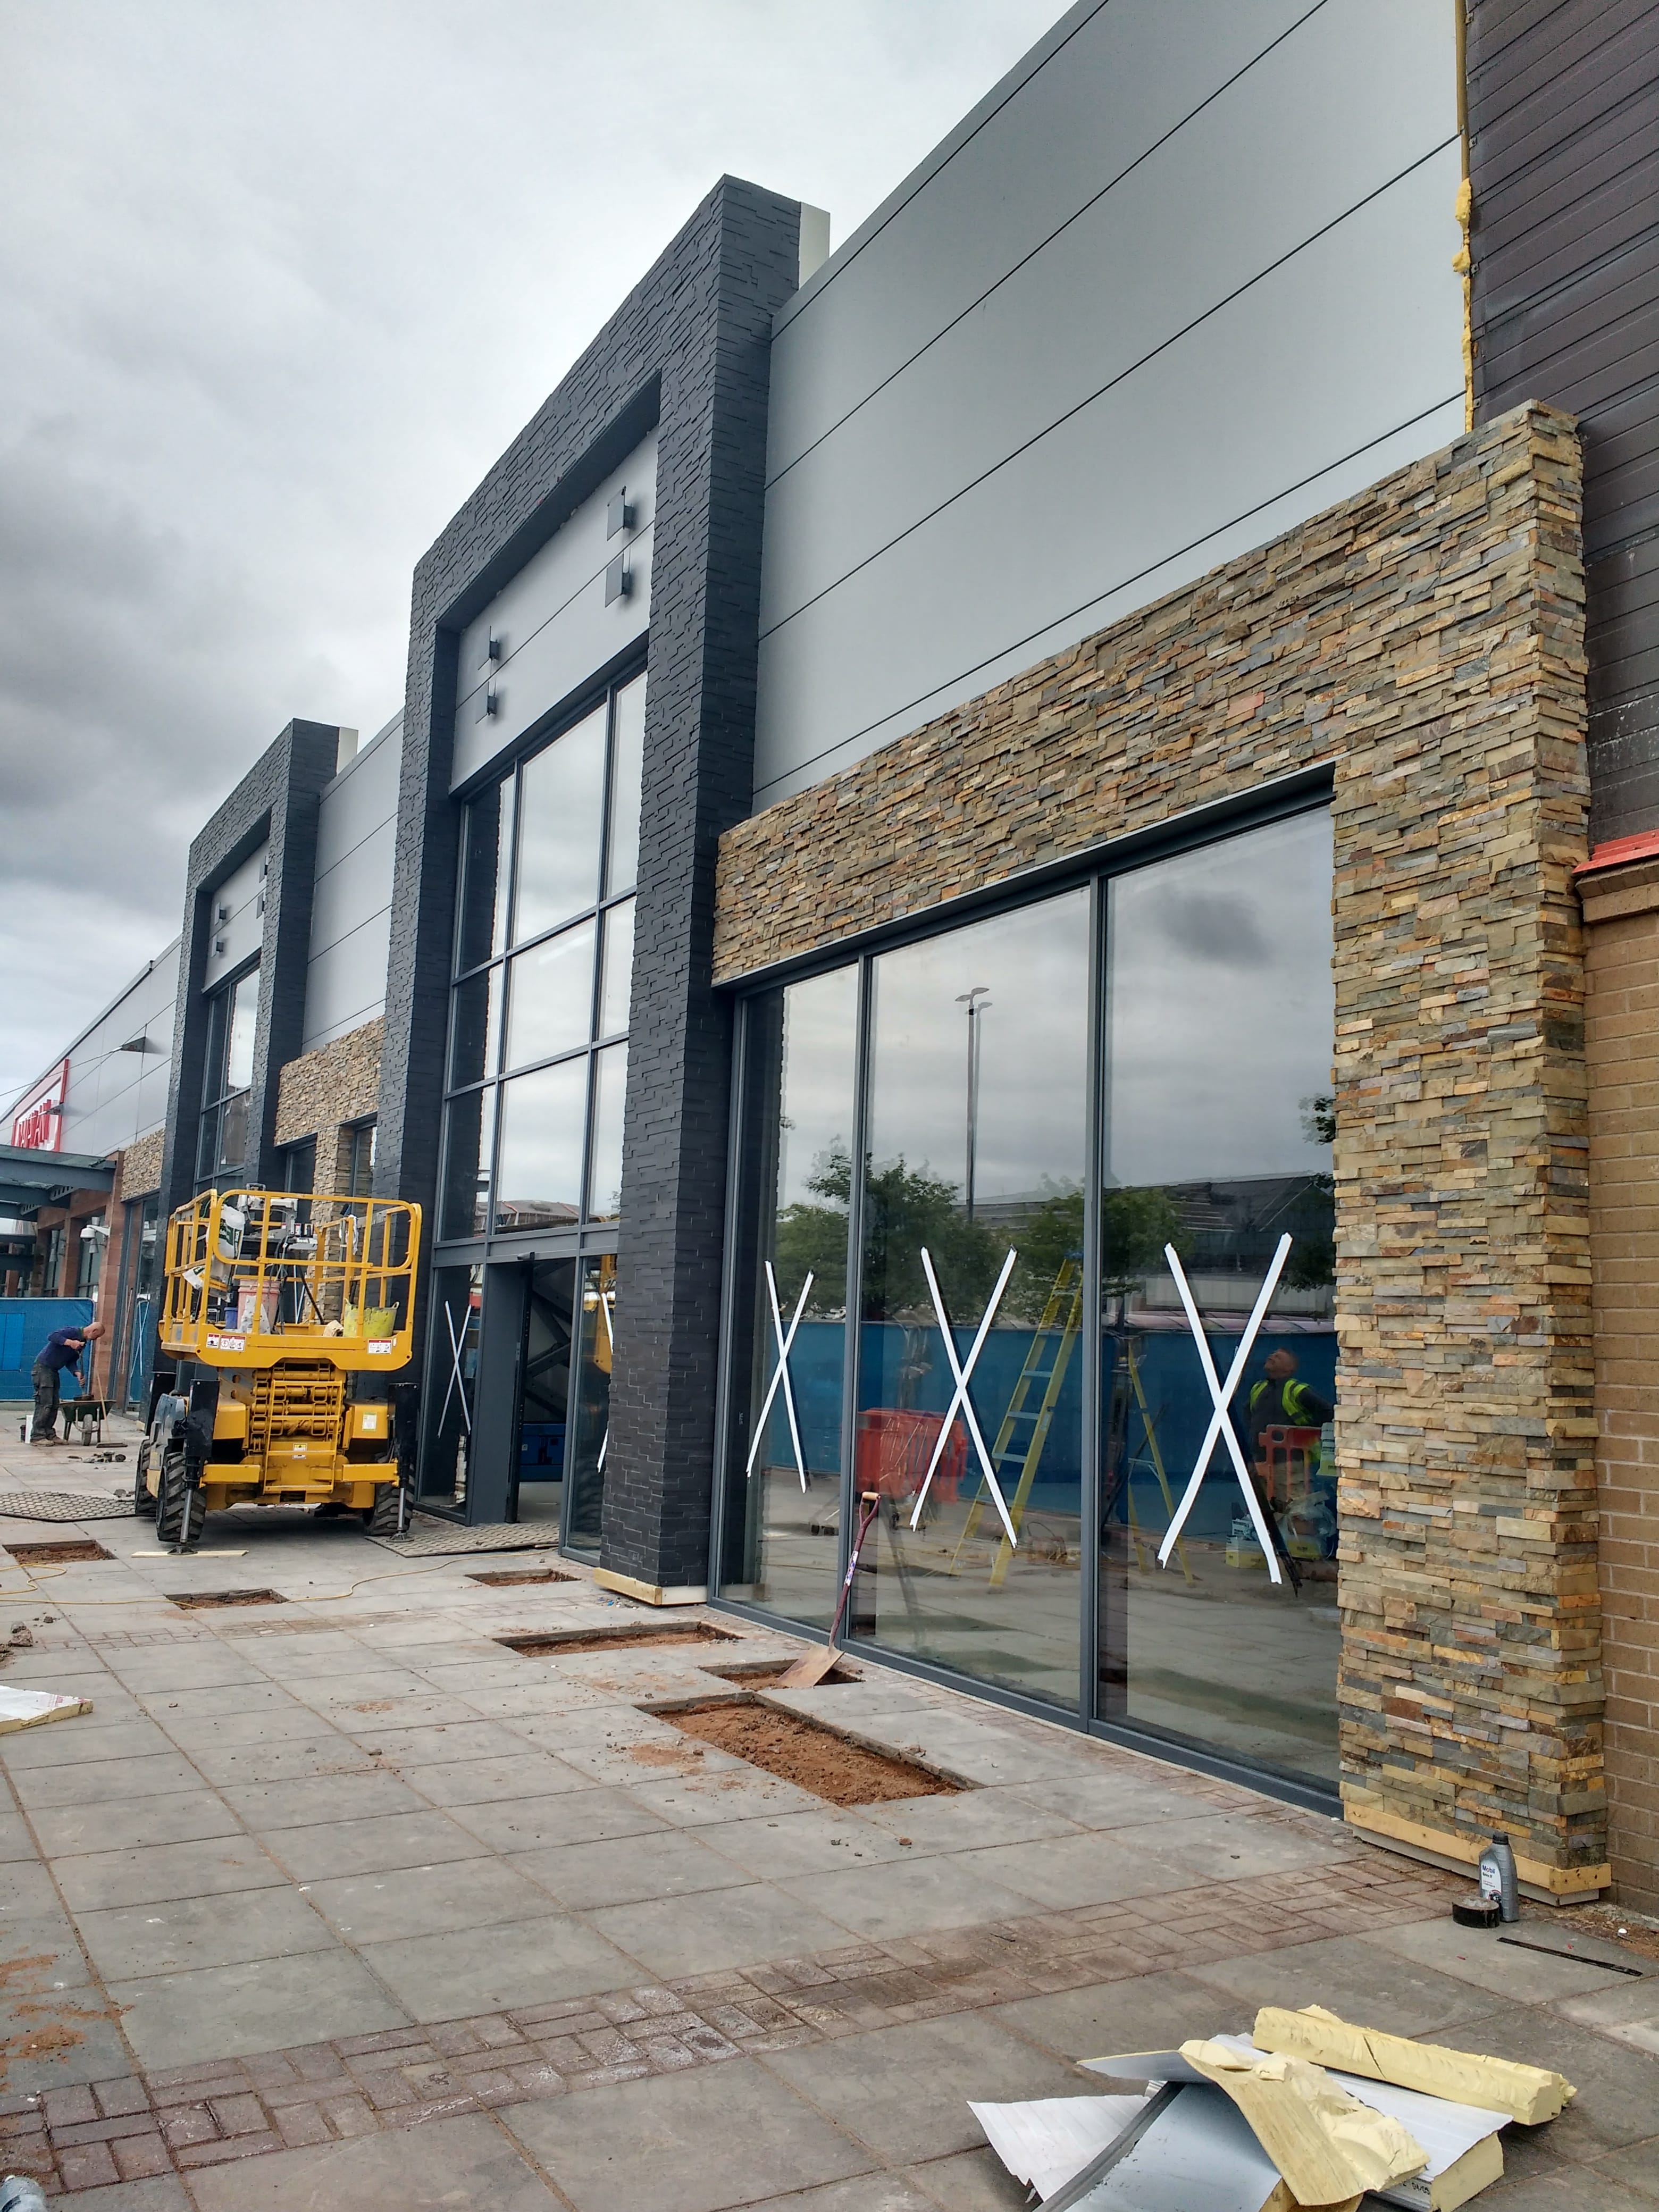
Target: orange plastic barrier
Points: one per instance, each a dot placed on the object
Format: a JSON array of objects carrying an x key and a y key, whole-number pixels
[{"x": 894, "y": 1447}]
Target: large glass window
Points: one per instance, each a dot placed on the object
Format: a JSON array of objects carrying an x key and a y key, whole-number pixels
[
  {"x": 451, "y": 1383},
  {"x": 949, "y": 1130},
  {"x": 1217, "y": 1130},
  {"x": 783, "y": 1494},
  {"x": 232, "y": 1015},
  {"x": 590, "y": 1425},
  {"x": 544, "y": 974}
]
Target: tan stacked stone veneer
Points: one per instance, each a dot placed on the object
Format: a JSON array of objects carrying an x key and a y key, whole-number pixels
[
  {"x": 322, "y": 1092},
  {"x": 1425, "y": 640}
]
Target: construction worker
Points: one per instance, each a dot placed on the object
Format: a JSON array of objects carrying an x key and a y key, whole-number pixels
[
  {"x": 1279, "y": 1401},
  {"x": 62, "y": 1349}
]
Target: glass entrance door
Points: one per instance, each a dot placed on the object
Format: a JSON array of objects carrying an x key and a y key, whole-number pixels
[
  {"x": 545, "y": 1393},
  {"x": 590, "y": 1426}
]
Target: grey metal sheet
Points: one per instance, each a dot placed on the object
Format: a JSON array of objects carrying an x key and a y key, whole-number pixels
[
  {"x": 1295, "y": 394},
  {"x": 345, "y": 983},
  {"x": 242, "y": 931},
  {"x": 360, "y": 798},
  {"x": 113, "y": 1096},
  {"x": 1115, "y": 86},
  {"x": 1111, "y": 290}
]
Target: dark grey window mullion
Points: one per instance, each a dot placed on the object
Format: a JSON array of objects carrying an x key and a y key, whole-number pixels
[
  {"x": 602, "y": 870},
  {"x": 1094, "y": 1154},
  {"x": 849, "y": 1399},
  {"x": 736, "y": 1132}
]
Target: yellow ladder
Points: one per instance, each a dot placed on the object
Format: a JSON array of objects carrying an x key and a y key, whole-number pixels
[
  {"x": 1066, "y": 1298},
  {"x": 1149, "y": 1425}
]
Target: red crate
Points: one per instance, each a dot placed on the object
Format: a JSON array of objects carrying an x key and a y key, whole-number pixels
[{"x": 894, "y": 1447}]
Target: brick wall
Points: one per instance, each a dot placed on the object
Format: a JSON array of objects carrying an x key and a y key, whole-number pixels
[
  {"x": 1621, "y": 912},
  {"x": 1425, "y": 639}
]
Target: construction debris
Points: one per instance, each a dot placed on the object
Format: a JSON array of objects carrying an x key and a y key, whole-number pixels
[
  {"x": 22, "y": 1709},
  {"x": 1229, "y": 2124}
]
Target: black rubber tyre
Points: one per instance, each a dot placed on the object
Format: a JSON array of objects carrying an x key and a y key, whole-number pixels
[
  {"x": 381, "y": 1519},
  {"x": 181, "y": 1513},
  {"x": 143, "y": 1501}
]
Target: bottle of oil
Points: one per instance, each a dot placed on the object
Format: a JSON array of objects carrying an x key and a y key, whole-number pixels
[{"x": 1498, "y": 1877}]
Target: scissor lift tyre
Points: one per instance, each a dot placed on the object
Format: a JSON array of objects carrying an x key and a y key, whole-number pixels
[
  {"x": 181, "y": 1513},
  {"x": 381, "y": 1519},
  {"x": 144, "y": 1499}
]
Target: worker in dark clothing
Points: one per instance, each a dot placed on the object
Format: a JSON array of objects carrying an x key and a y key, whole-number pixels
[
  {"x": 1279, "y": 1401},
  {"x": 62, "y": 1349}
]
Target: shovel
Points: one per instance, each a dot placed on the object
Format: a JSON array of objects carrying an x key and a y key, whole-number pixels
[{"x": 811, "y": 1666}]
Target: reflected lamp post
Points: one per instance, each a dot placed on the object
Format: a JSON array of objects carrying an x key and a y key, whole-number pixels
[{"x": 975, "y": 1011}]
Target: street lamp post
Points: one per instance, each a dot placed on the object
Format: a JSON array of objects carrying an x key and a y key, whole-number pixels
[{"x": 971, "y": 1000}]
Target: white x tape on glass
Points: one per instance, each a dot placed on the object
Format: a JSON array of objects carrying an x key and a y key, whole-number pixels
[
  {"x": 456, "y": 1380},
  {"x": 606, "y": 1300},
  {"x": 963, "y": 1373},
  {"x": 1221, "y": 1421},
  {"x": 781, "y": 1374}
]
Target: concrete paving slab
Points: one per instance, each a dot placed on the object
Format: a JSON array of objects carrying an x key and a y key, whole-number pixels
[
  {"x": 1358, "y": 1980},
  {"x": 451, "y": 1976},
  {"x": 187, "y": 1704},
  {"x": 163, "y": 1773},
  {"x": 370, "y": 1908},
  {"x": 531, "y": 1824},
  {"x": 319, "y": 1751},
  {"x": 59, "y": 2038},
  {"x": 801, "y": 1844},
  {"x": 1618, "y": 2086},
  {"x": 264, "y": 2004},
  {"x": 40, "y": 1951},
  {"x": 27, "y": 1892},
  {"x": 1626, "y": 2009},
  {"x": 219, "y": 1866},
  {"x": 1143, "y": 2012},
  {"x": 1078, "y": 1870},
  {"x": 196, "y": 1663},
  {"x": 728, "y": 1927},
  {"x": 1636, "y": 2168},
  {"x": 1475, "y": 1954},
  {"x": 185, "y": 1816},
  {"x": 311, "y": 1799},
  {"x": 670, "y": 1863},
  {"x": 332, "y": 1848},
  {"x": 725, "y": 2135},
  {"x": 1235, "y": 1847},
  {"x": 448, "y": 1740},
  {"x": 15, "y": 1842},
  {"x": 1120, "y": 1797},
  {"x": 451, "y": 2166},
  {"x": 87, "y": 1741},
  {"x": 903, "y": 2091},
  {"x": 868, "y": 2192},
  {"x": 161, "y": 2194},
  {"x": 741, "y": 1793},
  {"x": 971, "y": 2181},
  {"x": 184, "y": 1934},
  {"x": 910, "y": 1897},
  {"x": 509, "y": 1778},
  {"x": 289, "y": 1723},
  {"x": 971, "y": 1820},
  {"x": 368, "y": 1718}
]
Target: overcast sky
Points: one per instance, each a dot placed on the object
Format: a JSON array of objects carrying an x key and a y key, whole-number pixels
[{"x": 282, "y": 277}]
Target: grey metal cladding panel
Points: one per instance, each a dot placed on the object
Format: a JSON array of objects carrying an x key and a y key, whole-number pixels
[
  {"x": 354, "y": 887},
  {"x": 114, "y": 1096},
  {"x": 586, "y": 635},
  {"x": 1353, "y": 338},
  {"x": 345, "y": 984},
  {"x": 558, "y": 571},
  {"x": 1107, "y": 291},
  {"x": 1513, "y": 48},
  {"x": 1581, "y": 363},
  {"x": 243, "y": 931},
  {"x": 1584, "y": 228},
  {"x": 362, "y": 797},
  {"x": 1111, "y": 91}
]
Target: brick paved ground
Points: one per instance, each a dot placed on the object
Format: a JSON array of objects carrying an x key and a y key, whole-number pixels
[{"x": 347, "y": 1882}]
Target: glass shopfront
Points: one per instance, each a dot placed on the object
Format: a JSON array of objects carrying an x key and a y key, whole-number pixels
[
  {"x": 1008, "y": 1197},
  {"x": 519, "y": 1355}
]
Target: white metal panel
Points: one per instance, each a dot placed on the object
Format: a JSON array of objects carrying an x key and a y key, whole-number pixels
[
  {"x": 363, "y": 796},
  {"x": 114, "y": 1096},
  {"x": 356, "y": 886},
  {"x": 240, "y": 899},
  {"x": 345, "y": 982},
  {"x": 992, "y": 503},
  {"x": 551, "y": 621},
  {"x": 1106, "y": 85},
  {"x": 351, "y": 893}
]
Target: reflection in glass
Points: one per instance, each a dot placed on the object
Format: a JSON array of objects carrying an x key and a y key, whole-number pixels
[
  {"x": 780, "y": 1547},
  {"x": 604, "y": 1174},
  {"x": 627, "y": 759},
  {"x": 560, "y": 804},
  {"x": 538, "y": 1183},
  {"x": 544, "y": 1390},
  {"x": 452, "y": 1376},
  {"x": 469, "y": 1143},
  {"x": 1219, "y": 1028},
  {"x": 549, "y": 1005},
  {"x": 975, "y": 1148},
  {"x": 486, "y": 842},
  {"x": 617, "y": 981},
  {"x": 474, "y": 1038},
  {"x": 244, "y": 1021},
  {"x": 591, "y": 1415}
]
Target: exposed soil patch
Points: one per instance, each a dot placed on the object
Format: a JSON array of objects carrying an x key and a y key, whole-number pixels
[
  {"x": 207, "y": 1601},
  {"x": 557, "y": 1643},
  {"x": 764, "y": 1673},
  {"x": 61, "y": 1554},
  {"x": 529, "y": 1575},
  {"x": 813, "y": 1758}
]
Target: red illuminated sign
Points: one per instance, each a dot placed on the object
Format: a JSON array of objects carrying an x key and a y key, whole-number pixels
[{"x": 38, "y": 1124}]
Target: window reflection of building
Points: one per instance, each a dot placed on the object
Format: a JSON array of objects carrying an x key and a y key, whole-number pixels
[
  {"x": 227, "y": 1078},
  {"x": 1209, "y": 1111}
]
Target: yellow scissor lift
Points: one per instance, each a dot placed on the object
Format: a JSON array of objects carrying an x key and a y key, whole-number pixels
[{"x": 283, "y": 1298}]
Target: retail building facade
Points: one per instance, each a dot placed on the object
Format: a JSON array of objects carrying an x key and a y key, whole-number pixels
[{"x": 986, "y": 850}]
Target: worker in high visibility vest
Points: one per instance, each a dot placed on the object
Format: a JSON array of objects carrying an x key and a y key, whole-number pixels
[{"x": 1279, "y": 1401}]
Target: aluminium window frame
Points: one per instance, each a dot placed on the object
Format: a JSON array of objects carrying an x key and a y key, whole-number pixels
[{"x": 1304, "y": 791}]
